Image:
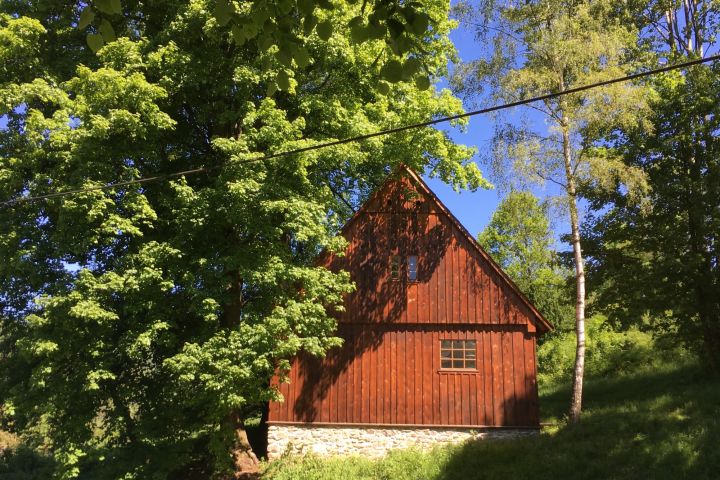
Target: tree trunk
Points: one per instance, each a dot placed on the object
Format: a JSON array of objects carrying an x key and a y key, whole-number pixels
[
  {"x": 576, "y": 401},
  {"x": 243, "y": 456},
  {"x": 242, "y": 453}
]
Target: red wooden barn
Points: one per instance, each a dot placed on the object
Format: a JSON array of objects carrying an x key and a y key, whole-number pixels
[{"x": 439, "y": 342}]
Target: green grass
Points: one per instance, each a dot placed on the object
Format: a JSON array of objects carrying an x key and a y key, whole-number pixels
[{"x": 658, "y": 423}]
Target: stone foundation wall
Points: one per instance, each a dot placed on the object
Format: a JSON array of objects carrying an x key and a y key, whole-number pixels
[{"x": 371, "y": 441}]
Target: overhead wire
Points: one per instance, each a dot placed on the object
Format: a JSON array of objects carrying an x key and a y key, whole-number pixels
[{"x": 367, "y": 136}]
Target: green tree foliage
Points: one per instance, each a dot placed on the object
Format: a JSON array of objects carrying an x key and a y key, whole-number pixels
[
  {"x": 142, "y": 323},
  {"x": 657, "y": 265},
  {"x": 285, "y": 24},
  {"x": 519, "y": 239},
  {"x": 610, "y": 352},
  {"x": 547, "y": 46},
  {"x": 656, "y": 262}
]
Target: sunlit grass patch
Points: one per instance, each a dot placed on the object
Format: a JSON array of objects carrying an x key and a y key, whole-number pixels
[{"x": 659, "y": 422}]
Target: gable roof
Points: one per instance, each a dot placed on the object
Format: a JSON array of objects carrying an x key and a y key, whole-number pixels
[{"x": 540, "y": 321}]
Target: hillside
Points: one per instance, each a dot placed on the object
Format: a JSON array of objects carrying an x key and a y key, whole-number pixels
[{"x": 661, "y": 422}]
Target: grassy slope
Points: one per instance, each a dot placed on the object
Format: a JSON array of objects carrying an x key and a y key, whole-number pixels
[{"x": 659, "y": 423}]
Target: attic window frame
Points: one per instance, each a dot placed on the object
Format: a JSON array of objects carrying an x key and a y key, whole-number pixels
[
  {"x": 395, "y": 264},
  {"x": 458, "y": 358},
  {"x": 412, "y": 268}
]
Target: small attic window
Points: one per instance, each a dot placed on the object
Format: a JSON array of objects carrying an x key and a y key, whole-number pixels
[
  {"x": 395, "y": 267},
  {"x": 412, "y": 268}
]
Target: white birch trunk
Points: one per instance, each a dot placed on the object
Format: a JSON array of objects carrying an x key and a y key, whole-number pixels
[{"x": 579, "y": 371}]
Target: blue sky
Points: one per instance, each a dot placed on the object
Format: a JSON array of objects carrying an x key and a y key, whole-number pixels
[{"x": 473, "y": 209}]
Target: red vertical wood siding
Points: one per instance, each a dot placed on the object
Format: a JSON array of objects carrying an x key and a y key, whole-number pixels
[
  {"x": 388, "y": 370},
  {"x": 404, "y": 385}
]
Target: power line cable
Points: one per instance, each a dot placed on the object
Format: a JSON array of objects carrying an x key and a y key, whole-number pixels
[{"x": 380, "y": 133}]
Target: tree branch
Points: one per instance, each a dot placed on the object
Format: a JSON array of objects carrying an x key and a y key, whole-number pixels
[
  {"x": 551, "y": 180},
  {"x": 340, "y": 197},
  {"x": 495, "y": 29}
]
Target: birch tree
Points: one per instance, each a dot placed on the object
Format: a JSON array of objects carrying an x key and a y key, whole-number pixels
[{"x": 539, "y": 47}]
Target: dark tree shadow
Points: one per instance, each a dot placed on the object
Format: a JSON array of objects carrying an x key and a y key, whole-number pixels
[
  {"x": 24, "y": 463},
  {"x": 394, "y": 224},
  {"x": 258, "y": 434},
  {"x": 398, "y": 223},
  {"x": 664, "y": 425}
]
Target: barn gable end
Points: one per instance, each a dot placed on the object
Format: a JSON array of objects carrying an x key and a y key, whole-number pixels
[
  {"x": 391, "y": 373},
  {"x": 457, "y": 281}
]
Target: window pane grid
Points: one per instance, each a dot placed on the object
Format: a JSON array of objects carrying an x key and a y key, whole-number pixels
[
  {"x": 458, "y": 354},
  {"x": 395, "y": 267}
]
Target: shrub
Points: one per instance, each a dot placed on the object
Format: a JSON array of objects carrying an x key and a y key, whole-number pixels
[
  {"x": 19, "y": 462},
  {"x": 607, "y": 351}
]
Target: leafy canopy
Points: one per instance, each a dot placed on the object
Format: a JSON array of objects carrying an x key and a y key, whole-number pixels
[
  {"x": 519, "y": 239},
  {"x": 546, "y": 46},
  {"x": 141, "y": 324},
  {"x": 655, "y": 266},
  {"x": 286, "y": 25}
]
